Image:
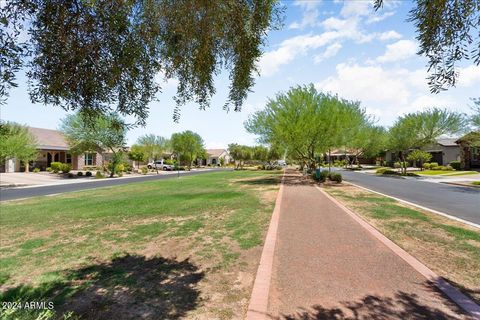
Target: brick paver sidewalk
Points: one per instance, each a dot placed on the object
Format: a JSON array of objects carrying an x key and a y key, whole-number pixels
[{"x": 327, "y": 266}]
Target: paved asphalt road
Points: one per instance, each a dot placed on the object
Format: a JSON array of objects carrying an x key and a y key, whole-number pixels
[
  {"x": 461, "y": 202},
  {"x": 20, "y": 193}
]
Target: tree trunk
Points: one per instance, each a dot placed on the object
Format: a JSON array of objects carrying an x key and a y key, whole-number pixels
[
  {"x": 26, "y": 166},
  {"x": 329, "y": 160}
]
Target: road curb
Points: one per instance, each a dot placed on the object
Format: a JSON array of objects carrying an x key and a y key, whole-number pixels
[
  {"x": 453, "y": 293},
  {"x": 446, "y": 215},
  {"x": 258, "y": 306}
]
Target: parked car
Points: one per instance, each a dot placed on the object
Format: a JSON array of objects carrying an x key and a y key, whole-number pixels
[{"x": 159, "y": 164}]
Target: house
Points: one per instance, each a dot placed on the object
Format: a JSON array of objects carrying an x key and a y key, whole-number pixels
[
  {"x": 470, "y": 150},
  {"x": 214, "y": 156},
  {"x": 351, "y": 155},
  {"x": 443, "y": 151},
  {"x": 53, "y": 147}
]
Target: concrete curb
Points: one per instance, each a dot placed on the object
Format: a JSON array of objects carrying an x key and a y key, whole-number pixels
[
  {"x": 446, "y": 215},
  {"x": 453, "y": 293},
  {"x": 258, "y": 307}
]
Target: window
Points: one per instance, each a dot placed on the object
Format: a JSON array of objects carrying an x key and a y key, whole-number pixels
[
  {"x": 475, "y": 153},
  {"x": 68, "y": 158},
  {"x": 89, "y": 159}
]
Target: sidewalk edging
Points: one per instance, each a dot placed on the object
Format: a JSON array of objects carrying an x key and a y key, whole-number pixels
[
  {"x": 446, "y": 215},
  {"x": 453, "y": 293},
  {"x": 258, "y": 306}
]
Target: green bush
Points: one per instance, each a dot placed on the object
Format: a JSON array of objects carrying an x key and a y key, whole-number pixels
[
  {"x": 88, "y": 174},
  {"x": 178, "y": 168},
  {"x": 99, "y": 175},
  {"x": 426, "y": 166},
  {"x": 56, "y": 166},
  {"x": 120, "y": 174},
  {"x": 449, "y": 168},
  {"x": 36, "y": 170},
  {"x": 65, "y": 167},
  {"x": 80, "y": 173},
  {"x": 169, "y": 162},
  {"x": 71, "y": 175},
  {"x": 335, "y": 176},
  {"x": 386, "y": 171},
  {"x": 322, "y": 178},
  {"x": 433, "y": 164},
  {"x": 144, "y": 170},
  {"x": 48, "y": 169},
  {"x": 397, "y": 165},
  {"x": 339, "y": 163},
  {"x": 455, "y": 165},
  {"x": 438, "y": 168}
]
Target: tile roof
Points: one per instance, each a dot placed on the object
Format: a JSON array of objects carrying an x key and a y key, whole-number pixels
[
  {"x": 49, "y": 139},
  {"x": 215, "y": 152},
  {"x": 447, "y": 142}
]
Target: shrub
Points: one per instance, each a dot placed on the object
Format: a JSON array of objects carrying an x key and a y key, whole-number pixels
[
  {"x": 36, "y": 170},
  {"x": 48, "y": 169},
  {"x": 438, "y": 168},
  {"x": 80, "y": 173},
  {"x": 88, "y": 174},
  {"x": 56, "y": 166},
  {"x": 386, "y": 171},
  {"x": 120, "y": 174},
  {"x": 449, "y": 168},
  {"x": 170, "y": 162},
  {"x": 144, "y": 170},
  {"x": 120, "y": 167},
  {"x": 322, "y": 178},
  {"x": 433, "y": 164},
  {"x": 99, "y": 175},
  {"x": 71, "y": 175},
  {"x": 179, "y": 168},
  {"x": 455, "y": 165},
  {"x": 397, "y": 165},
  {"x": 426, "y": 166},
  {"x": 65, "y": 167},
  {"x": 335, "y": 176}
]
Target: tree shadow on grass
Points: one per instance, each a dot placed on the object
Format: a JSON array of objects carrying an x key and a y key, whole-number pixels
[
  {"x": 129, "y": 287},
  {"x": 402, "y": 306}
]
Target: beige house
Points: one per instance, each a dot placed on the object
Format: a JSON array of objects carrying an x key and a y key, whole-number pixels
[
  {"x": 53, "y": 147},
  {"x": 214, "y": 156},
  {"x": 443, "y": 151}
]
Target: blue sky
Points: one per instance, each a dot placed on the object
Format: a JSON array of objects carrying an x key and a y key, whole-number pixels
[{"x": 342, "y": 47}]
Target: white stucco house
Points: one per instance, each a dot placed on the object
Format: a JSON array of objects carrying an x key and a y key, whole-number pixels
[{"x": 214, "y": 156}]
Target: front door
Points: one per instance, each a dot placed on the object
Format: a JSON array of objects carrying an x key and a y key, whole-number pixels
[{"x": 51, "y": 159}]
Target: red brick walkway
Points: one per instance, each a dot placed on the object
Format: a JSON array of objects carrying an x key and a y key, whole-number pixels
[{"x": 327, "y": 266}]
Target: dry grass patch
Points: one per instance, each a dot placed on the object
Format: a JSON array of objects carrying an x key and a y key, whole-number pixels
[{"x": 448, "y": 247}]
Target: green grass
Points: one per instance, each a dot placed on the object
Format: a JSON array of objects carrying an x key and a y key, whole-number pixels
[
  {"x": 447, "y": 172},
  {"x": 210, "y": 217},
  {"x": 476, "y": 183}
]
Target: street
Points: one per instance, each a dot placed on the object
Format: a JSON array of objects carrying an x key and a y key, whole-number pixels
[{"x": 461, "y": 202}]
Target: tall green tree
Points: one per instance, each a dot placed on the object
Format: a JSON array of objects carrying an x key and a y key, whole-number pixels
[
  {"x": 103, "y": 56},
  {"x": 448, "y": 33},
  {"x": 17, "y": 142},
  {"x": 240, "y": 153},
  {"x": 416, "y": 130},
  {"x": 188, "y": 145},
  {"x": 306, "y": 123},
  {"x": 475, "y": 117},
  {"x": 107, "y": 133},
  {"x": 137, "y": 153},
  {"x": 153, "y": 146}
]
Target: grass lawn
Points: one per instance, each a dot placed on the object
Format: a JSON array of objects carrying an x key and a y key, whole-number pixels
[
  {"x": 449, "y": 248},
  {"x": 447, "y": 172},
  {"x": 186, "y": 247},
  {"x": 476, "y": 183}
]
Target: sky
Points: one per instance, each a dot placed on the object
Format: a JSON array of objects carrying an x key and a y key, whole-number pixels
[{"x": 342, "y": 47}]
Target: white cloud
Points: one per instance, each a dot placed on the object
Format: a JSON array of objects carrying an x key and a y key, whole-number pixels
[
  {"x": 390, "y": 92},
  {"x": 389, "y": 35},
  {"x": 331, "y": 51},
  {"x": 373, "y": 18},
  {"x": 310, "y": 14},
  {"x": 469, "y": 76},
  {"x": 271, "y": 61},
  {"x": 399, "y": 50}
]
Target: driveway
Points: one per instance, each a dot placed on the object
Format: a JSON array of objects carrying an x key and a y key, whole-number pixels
[
  {"x": 461, "y": 202},
  {"x": 20, "y": 193}
]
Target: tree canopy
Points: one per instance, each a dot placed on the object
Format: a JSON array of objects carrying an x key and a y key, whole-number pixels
[
  {"x": 17, "y": 142},
  {"x": 307, "y": 123},
  {"x": 448, "y": 32},
  {"x": 415, "y": 130},
  {"x": 187, "y": 145},
  {"x": 106, "y": 133},
  {"x": 153, "y": 146},
  {"x": 101, "y": 56}
]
